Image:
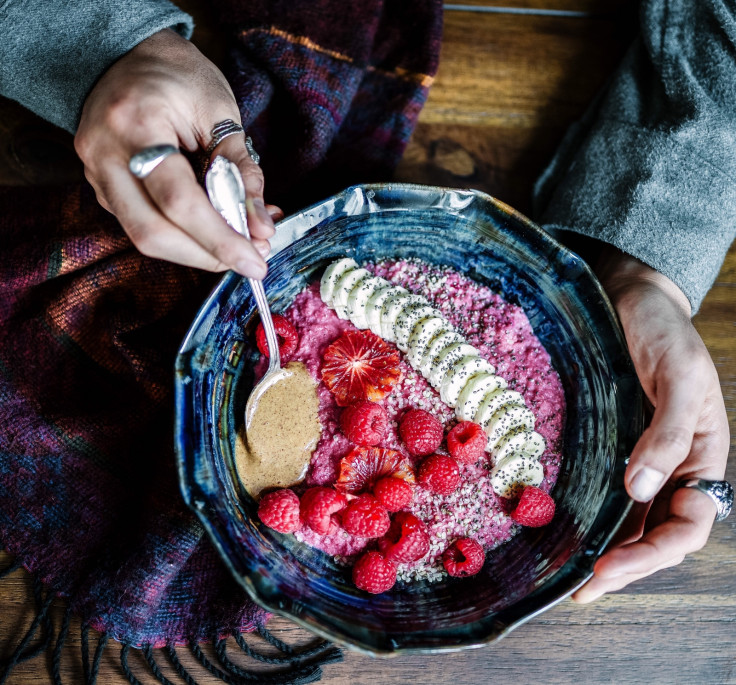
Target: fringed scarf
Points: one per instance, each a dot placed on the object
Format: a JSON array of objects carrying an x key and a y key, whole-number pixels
[{"x": 89, "y": 328}]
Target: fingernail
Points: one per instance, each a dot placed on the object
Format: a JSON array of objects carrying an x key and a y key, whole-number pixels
[
  {"x": 264, "y": 249},
  {"x": 646, "y": 484}
]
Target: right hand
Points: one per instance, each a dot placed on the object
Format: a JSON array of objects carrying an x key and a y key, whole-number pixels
[{"x": 165, "y": 91}]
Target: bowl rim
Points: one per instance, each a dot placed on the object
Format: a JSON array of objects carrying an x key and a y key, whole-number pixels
[{"x": 559, "y": 587}]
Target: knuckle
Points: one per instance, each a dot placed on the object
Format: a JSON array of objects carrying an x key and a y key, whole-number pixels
[
  {"x": 176, "y": 202},
  {"x": 144, "y": 238},
  {"x": 222, "y": 251},
  {"x": 673, "y": 438},
  {"x": 83, "y": 146},
  {"x": 253, "y": 179}
]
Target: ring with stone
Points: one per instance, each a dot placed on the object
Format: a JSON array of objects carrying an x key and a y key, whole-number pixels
[
  {"x": 720, "y": 491},
  {"x": 144, "y": 162}
]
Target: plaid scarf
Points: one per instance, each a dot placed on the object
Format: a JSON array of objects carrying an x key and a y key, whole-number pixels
[{"x": 89, "y": 328}]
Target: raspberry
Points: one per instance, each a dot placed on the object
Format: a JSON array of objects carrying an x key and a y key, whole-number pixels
[
  {"x": 364, "y": 423},
  {"x": 407, "y": 539},
  {"x": 464, "y": 557},
  {"x": 285, "y": 332},
  {"x": 535, "y": 508},
  {"x": 373, "y": 573},
  {"x": 393, "y": 493},
  {"x": 467, "y": 442},
  {"x": 365, "y": 517},
  {"x": 280, "y": 510},
  {"x": 421, "y": 432},
  {"x": 439, "y": 474},
  {"x": 317, "y": 507}
]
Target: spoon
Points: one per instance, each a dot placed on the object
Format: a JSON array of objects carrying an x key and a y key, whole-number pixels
[{"x": 227, "y": 194}]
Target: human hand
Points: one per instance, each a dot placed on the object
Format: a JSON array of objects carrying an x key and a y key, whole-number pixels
[
  {"x": 687, "y": 437},
  {"x": 165, "y": 91}
]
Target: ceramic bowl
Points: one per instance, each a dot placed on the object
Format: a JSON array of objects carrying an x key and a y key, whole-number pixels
[{"x": 495, "y": 245}]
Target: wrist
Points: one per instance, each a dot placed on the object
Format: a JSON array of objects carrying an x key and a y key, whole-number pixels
[{"x": 624, "y": 277}]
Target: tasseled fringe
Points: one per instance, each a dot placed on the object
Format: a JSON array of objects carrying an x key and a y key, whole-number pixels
[
  {"x": 292, "y": 666},
  {"x": 303, "y": 666},
  {"x": 24, "y": 652}
]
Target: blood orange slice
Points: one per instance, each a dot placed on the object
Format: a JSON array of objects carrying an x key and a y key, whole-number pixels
[
  {"x": 360, "y": 469},
  {"x": 360, "y": 366}
]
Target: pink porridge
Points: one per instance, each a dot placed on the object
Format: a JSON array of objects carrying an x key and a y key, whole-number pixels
[{"x": 502, "y": 334}]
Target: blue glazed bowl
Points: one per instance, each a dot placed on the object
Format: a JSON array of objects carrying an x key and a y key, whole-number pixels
[{"x": 493, "y": 244}]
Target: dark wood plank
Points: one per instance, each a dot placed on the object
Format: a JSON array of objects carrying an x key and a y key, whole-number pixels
[
  {"x": 587, "y": 6},
  {"x": 507, "y": 88}
]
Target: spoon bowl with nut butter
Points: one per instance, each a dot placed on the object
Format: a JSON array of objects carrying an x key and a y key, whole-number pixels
[{"x": 281, "y": 422}]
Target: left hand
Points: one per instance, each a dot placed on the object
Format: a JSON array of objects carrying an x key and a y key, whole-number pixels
[{"x": 688, "y": 435}]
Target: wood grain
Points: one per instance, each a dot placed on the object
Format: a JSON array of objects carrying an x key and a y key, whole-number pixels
[{"x": 507, "y": 88}]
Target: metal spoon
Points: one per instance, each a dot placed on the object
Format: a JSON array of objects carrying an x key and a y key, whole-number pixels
[{"x": 227, "y": 194}]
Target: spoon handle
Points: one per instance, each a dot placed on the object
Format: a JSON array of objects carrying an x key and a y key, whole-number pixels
[{"x": 227, "y": 194}]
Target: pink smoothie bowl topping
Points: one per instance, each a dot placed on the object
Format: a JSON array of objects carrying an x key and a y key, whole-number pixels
[{"x": 503, "y": 336}]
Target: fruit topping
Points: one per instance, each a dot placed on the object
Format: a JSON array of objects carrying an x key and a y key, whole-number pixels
[
  {"x": 364, "y": 423},
  {"x": 373, "y": 573},
  {"x": 421, "y": 432},
  {"x": 464, "y": 557},
  {"x": 535, "y": 508},
  {"x": 333, "y": 273},
  {"x": 393, "y": 493},
  {"x": 317, "y": 507},
  {"x": 407, "y": 539},
  {"x": 285, "y": 332},
  {"x": 365, "y": 517},
  {"x": 439, "y": 474},
  {"x": 513, "y": 473},
  {"x": 466, "y": 442},
  {"x": 360, "y": 366},
  {"x": 280, "y": 510},
  {"x": 364, "y": 466}
]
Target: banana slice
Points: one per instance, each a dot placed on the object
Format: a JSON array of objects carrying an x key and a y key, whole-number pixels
[
  {"x": 446, "y": 358},
  {"x": 459, "y": 374},
  {"x": 511, "y": 475},
  {"x": 407, "y": 319},
  {"x": 506, "y": 419},
  {"x": 343, "y": 287},
  {"x": 358, "y": 298},
  {"x": 332, "y": 275},
  {"x": 523, "y": 442},
  {"x": 392, "y": 307},
  {"x": 375, "y": 303},
  {"x": 474, "y": 392},
  {"x": 423, "y": 332},
  {"x": 436, "y": 345},
  {"x": 493, "y": 401}
]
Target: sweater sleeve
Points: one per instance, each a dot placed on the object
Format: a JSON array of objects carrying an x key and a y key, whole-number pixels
[
  {"x": 651, "y": 169},
  {"x": 52, "y": 53}
]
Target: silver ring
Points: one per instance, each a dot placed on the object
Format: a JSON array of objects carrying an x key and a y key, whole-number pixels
[
  {"x": 221, "y": 131},
  {"x": 144, "y": 162},
  {"x": 229, "y": 128},
  {"x": 720, "y": 491},
  {"x": 251, "y": 150}
]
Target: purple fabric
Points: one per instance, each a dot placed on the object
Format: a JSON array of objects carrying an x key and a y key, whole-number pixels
[{"x": 89, "y": 328}]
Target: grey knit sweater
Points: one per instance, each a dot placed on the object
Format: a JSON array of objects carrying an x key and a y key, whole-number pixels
[
  {"x": 53, "y": 52},
  {"x": 650, "y": 169}
]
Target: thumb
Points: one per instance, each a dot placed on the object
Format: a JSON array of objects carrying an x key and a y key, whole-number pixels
[{"x": 667, "y": 442}]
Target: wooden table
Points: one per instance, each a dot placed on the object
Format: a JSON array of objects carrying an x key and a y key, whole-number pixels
[{"x": 508, "y": 86}]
